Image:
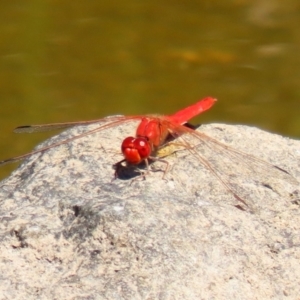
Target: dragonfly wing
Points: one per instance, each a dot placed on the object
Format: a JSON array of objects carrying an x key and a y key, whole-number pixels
[
  {"x": 56, "y": 126},
  {"x": 104, "y": 124},
  {"x": 236, "y": 170},
  {"x": 41, "y": 128}
]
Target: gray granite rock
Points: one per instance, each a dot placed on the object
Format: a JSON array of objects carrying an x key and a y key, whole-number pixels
[{"x": 69, "y": 230}]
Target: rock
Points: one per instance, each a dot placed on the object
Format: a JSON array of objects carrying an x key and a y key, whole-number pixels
[{"x": 70, "y": 231}]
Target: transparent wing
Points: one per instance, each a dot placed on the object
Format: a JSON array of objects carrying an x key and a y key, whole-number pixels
[
  {"x": 55, "y": 126},
  {"x": 229, "y": 166},
  {"x": 109, "y": 123}
]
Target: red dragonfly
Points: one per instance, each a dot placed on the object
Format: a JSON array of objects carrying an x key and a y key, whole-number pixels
[{"x": 153, "y": 132}]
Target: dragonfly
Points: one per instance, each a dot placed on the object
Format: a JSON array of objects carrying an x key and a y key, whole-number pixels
[
  {"x": 154, "y": 132},
  {"x": 151, "y": 133}
]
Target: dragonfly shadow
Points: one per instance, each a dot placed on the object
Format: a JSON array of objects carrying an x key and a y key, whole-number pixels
[
  {"x": 129, "y": 172},
  {"x": 192, "y": 126}
]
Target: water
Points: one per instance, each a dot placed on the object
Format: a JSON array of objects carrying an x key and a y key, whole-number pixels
[{"x": 67, "y": 61}]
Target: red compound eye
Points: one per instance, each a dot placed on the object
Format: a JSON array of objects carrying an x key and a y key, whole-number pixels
[{"x": 136, "y": 150}]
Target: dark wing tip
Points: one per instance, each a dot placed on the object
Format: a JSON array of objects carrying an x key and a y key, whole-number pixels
[{"x": 25, "y": 128}]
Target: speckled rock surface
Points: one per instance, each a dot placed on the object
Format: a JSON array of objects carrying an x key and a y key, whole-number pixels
[{"x": 69, "y": 231}]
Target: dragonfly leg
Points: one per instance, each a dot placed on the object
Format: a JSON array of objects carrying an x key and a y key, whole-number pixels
[{"x": 163, "y": 161}]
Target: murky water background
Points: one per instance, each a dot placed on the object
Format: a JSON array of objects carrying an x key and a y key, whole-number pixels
[{"x": 76, "y": 60}]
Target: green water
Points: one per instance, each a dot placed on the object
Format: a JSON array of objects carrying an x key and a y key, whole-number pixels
[{"x": 76, "y": 60}]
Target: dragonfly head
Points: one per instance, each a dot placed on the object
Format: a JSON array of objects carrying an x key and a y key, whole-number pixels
[{"x": 135, "y": 150}]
